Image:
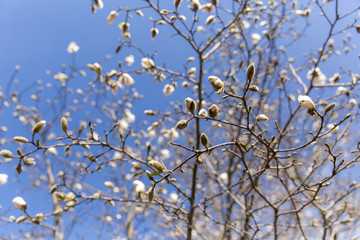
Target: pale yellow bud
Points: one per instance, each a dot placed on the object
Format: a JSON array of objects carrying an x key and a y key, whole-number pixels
[{"x": 37, "y": 128}]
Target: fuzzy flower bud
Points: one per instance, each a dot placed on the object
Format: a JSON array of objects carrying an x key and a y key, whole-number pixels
[
  {"x": 6, "y": 153},
  {"x": 204, "y": 139},
  {"x": 195, "y": 5},
  {"x": 190, "y": 105},
  {"x": 111, "y": 18},
  {"x": 154, "y": 33},
  {"x": 181, "y": 124},
  {"x": 20, "y": 203},
  {"x": 20, "y": 139},
  {"x": 177, "y": 3},
  {"x": 214, "y": 110},
  {"x": 209, "y": 19},
  {"x": 254, "y": 88},
  {"x": 52, "y": 151},
  {"x": 64, "y": 124},
  {"x": 329, "y": 107},
  {"x": 216, "y": 84},
  {"x": 261, "y": 117},
  {"x": 250, "y": 72},
  {"x": 202, "y": 113},
  {"x": 157, "y": 165},
  {"x": 168, "y": 89},
  {"x": 109, "y": 184},
  {"x": 37, "y": 128},
  {"x": 29, "y": 162},
  {"x": 306, "y": 102}
]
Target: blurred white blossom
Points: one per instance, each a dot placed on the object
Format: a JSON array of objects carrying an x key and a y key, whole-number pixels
[
  {"x": 168, "y": 89},
  {"x": 3, "y": 178},
  {"x": 73, "y": 47}
]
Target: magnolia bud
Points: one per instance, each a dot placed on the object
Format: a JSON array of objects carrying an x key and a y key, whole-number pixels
[
  {"x": 29, "y": 162},
  {"x": 109, "y": 184},
  {"x": 21, "y": 139},
  {"x": 195, "y": 5},
  {"x": 216, "y": 84},
  {"x": 261, "y": 117},
  {"x": 214, "y": 2},
  {"x": 177, "y": 3},
  {"x": 306, "y": 102},
  {"x": 209, "y": 19},
  {"x": 52, "y": 151},
  {"x": 190, "y": 105},
  {"x": 213, "y": 111},
  {"x": 151, "y": 193},
  {"x": 254, "y": 88},
  {"x": 111, "y": 18},
  {"x": 204, "y": 139},
  {"x": 160, "y": 167},
  {"x": 250, "y": 72},
  {"x": 20, "y": 219},
  {"x": 154, "y": 33},
  {"x": 64, "y": 124},
  {"x": 20, "y": 203},
  {"x": 136, "y": 165},
  {"x": 199, "y": 160},
  {"x": 60, "y": 196},
  {"x": 148, "y": 173},
  {"x": 6, "y": 153},
  {"x": 181, "y": 124},
  {"x": 18, "y": 169},
  {"x": 202, "y": 113},
  {"x": 329, "y": 107},
  {"x": 53, "y": 188},
  {"x": 37, "y": 128}
]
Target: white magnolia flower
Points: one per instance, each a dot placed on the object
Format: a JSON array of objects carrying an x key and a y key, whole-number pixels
[
  {"x": 165, "y": 153},
  {"x": 255, "y": 38},
  {"x": 112, "y": 16},
  {"x": 147, "y": 63},
  {"x": 123, "y": 126},
  {"x": 342, "y": 90},
  {"x": 224, "y": 177},
  {"x": 20, "y": 203},
  {"x": 173, "y": 198},
  {"x": 306, "y": 102},
  {"x": 171, "y": 134},
  {"x": 128, "y": 80},
  {"x": 129, "y": 60},
  {"x": 139, "y": 186},
  {"x": 73, "y": 47},
  {"x": 61, "y": 76},
  {"x": 129, "y": 117},
  {"x": 318, "y": 77},
  {"x": 3, "y": 178},
  {"x": 168, "y": 89}
]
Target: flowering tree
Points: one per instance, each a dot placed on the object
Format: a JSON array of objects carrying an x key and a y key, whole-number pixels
[{"x": 254, "y": 145}]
